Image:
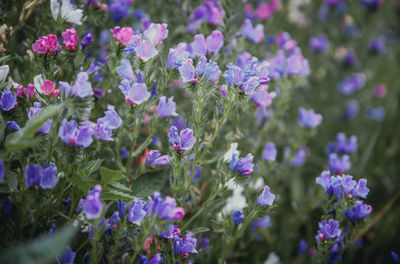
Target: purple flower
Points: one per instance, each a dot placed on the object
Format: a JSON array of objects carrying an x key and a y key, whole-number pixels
[
  {"x": 1, "y": 169},
  {"x": 243, "y": 165},
  {"x": 185, "y": 245},
  {"x": 375, "y": 113},
  {"x": 146, "y": 50},
  {"x": 81, "y": 88},
  {"x": 187, "y": 71},
  {"x": 165, "y": 109},
  {"x": 154, "y": 158},
  {"x": 237, "y": 217},
  {"x": 156, "y": 33},
  {"x": 67, "y": 257},
  {"x": 233, "y": 75},
  {"x": 137, "y": 211},
  {"x": 324, "y": 180},
  {"x": 300, "y": 157},
  {"x": 92, "y": 205},
  {"x": 270, "y": 152},
  {"x": 112, "y": 118},
  {"x": 302, "y": 246},
  {"x": 119, "y": 9},
  {"x": 73, "y": 135},
  {"x": 122, "y": 208},
  {"x": 371, "y": 4},
  {"x": 37, "y": 107},
  {"x": 255, "y": 34},
  {"x": 8, "y": 100},
  {"x": 339, "y": 165},
  {"x": 134, "y": 93},
  {"x": 215, "y": 41},
  {"x": 351, "y": 110},
  {"x": 33, "y": 174},
  {"x": 361, "y": 189},
  {"x": 319, "y": 43},
  {"x": 13, "y": 125},
  {"x": 48, "y": 178},
  {"x": 360, "y": 210},
  {"x": 87, "y": 39},
  {"x": 329, "y": 229},
  {"x": 308, "y": 118},
  {"x": 264, "y": 222},
  {"x": 352, "y": 84},
  {"x": 266, "y": 198},
  {"x": 250, "y": 86},
  {"x": 395, "y": 257},
  {"x": 177, "y": 56},
  {"x": 156, "y": 259},
  {"x": 199, "y": 45},
  {"x": 125, "y": 70},
  {"x": 344, "y": 145},
  {"x": 184, "y": 141},
  {"x": 377, "y": 44},
  {"x": 297, "y": 65}
]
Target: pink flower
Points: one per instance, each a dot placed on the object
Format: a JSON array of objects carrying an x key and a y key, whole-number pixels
[
  {"x": 47, "y": 87},
  {"x": 123, "y": 35},
  {"x": 70, "y": 39},
  {"x": 47, "y": 45}
]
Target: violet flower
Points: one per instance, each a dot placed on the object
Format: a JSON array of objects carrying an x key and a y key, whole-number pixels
[
  {"x": 74, "y": 135},
  {"x": 329, "y": 229},
  {"x": 266, "y": 197},
  {"x": 308, "y": 118},
  {"x": 8, "y": 100},
  {"x": 154, "y": 158},
  {"x": 182, "y": 142},
  {"x": 270, "y": 152},
  {"x": 237, "y": 217},
  {"x": 134, "y": 93},
  {"x": 92, "y": 206},
  {"x": 166, "y": 109}
]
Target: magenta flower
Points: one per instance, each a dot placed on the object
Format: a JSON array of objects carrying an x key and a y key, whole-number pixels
[
  {"x": 134, "y": 93},
  {"x": 122, "y": 35},
  {"x": 47, "y": 45},
  {"x": 165, "y": 109},
  {"x": 48, "y": 88},
  {"x": 156, "y": 33},
  {"x": 70, "y": 39}
]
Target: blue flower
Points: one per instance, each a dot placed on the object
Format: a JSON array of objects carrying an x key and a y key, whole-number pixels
[
  {"x": 166, "y": 109},
  {"x": 361, "y": 189},
  {"x": 13, "y": 125},
  {"x": 266, "y": 197},
  {"x": 308, "y": 118},
  {"x": 67, "y": 257},
  {"x": 185, "y": 245},
  {"x": 244, "y": 165},
  {"x": 137, "y": 211},
  {"x": 329, "y": 229},
  {"x": 32, "y": 174},
  {"x": 48, "y": 179},
  {"x": 339, "y": 165},
  {"x": 73, "y": 135},
  {"x": 237, "y": 217},
  {"x": 125, "y": 70},
  {"x": 184, "y": 141},
  {"x": 270, "y": 152},
  {"x": 8, "y": 100},
  {"x": 154, "y": 158},
  {"x": 92, "y": 206}
]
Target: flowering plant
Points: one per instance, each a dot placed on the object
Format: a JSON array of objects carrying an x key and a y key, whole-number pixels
[{"x": 196, "y": 131}]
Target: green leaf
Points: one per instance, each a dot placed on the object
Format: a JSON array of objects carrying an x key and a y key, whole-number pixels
[
  {"x": 91, "y": 167},
  {"x": 109, "y": 176},
  {"x": 2, "y": 127},
  {"x": 11, "y": 179},
  {"x": 149, "y": 182},
  {"x": 118, "y": 186},
  {"x": 23, "y": 138},
  {"x": 201, "y": 229},
  {"x": 41, "y": 251},
  {"x": 115, "y": 195},
  {"x": 84, "y": 184}
]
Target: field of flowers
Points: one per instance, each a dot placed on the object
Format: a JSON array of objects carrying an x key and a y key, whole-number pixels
[{"x": 199, "y": 131}]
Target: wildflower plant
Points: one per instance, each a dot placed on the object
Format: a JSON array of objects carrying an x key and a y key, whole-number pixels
[{"x": 186, "y": 131}]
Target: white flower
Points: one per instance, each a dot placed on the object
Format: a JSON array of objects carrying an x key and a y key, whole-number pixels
[
  {"x": 4, "y": 72},
  {"x": 237, "y": 200},
  {"x": 272, "y": 258},
  {"x": 37, "y": 82},
  {"x": 231, "y": 151},
  {"x": 68, "y": 12}
]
